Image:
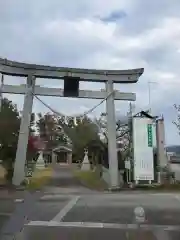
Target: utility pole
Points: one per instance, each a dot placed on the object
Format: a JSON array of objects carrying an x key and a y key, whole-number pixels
[{"x": 130, "y": 124}]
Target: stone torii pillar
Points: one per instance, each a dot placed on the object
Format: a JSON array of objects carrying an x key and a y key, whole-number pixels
[
  {"x": 19, "y": 165},
  {"x": 111, "y": 132}
]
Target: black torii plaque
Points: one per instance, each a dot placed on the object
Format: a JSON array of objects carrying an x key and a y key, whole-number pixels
[{"x": 71, "y": 86}]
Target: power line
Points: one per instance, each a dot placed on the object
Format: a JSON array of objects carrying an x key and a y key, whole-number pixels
[
  {"x": 79, "y": 115},
  {"x": 74, "y": 116}
]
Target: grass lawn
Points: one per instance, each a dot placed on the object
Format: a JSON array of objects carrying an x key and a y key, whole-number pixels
[
  {"x": 91, "y": 179},
  {"x": 40, "y": 178},
  {"x": 164, "y": 187}
]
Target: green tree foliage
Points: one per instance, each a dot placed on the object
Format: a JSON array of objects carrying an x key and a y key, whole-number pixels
[
  {"x": 49, "y": 130},
  {"x": 177, "y": 121},
  {"x": 32, "y": 123},
  {"x": 83, "y": 134},
  {"x": 9, "y": 130},
  {"x": 55, "y": 131},
  {"x": 9, "y": 123}
]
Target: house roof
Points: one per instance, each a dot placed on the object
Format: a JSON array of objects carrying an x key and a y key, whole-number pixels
[
  {"x": 60, "y": 147},
  {"x": 143, "y": 114}
]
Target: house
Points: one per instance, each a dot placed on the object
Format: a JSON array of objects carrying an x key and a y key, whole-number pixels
[
  {"x": 173, "y": 154},
  {"x": 59, "y": 154}
]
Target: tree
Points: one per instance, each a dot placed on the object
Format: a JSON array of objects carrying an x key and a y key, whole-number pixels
[
  {"x": 55, "y": 130},
  {"x": 9, "y": 131},
  {"x": 49, "y": 130},
  {"x": 33, "y": 141},
  {"x": 80, "y": 134},
  {"x": 177, "y": 121},
  {"x": 83, "y": 134},
  {"x": 122, "y": 134}
]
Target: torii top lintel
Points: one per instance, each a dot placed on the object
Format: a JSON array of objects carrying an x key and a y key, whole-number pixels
[{"x": 14, "y": 68}]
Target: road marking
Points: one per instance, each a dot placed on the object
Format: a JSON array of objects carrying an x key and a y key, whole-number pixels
[
  {"x": 19, "y": 217},
  {"x": 19, "y": 200},
  {"x": 66, "y": 209},
  {"x": 55, "y": 197},
  {"x": 103, "y": 225}
]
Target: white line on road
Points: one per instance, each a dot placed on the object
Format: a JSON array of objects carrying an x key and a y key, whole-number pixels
[
  {"x": 65, "y": 210},
  {"x": 102, "y": 225},
  {"x": 19, "y": 200},
  {"x": 55, "y": 197}
]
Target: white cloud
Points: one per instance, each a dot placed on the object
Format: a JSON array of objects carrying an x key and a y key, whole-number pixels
[{"x": 166, "y": 32}]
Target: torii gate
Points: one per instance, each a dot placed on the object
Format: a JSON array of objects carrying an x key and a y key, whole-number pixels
[{"x": 72, "y": 77}]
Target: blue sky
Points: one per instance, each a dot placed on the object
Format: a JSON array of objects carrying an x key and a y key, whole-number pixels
[{"x": 111, "y": 34}]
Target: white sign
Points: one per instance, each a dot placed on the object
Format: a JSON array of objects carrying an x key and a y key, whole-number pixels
[{"x": 143, "y": 149}]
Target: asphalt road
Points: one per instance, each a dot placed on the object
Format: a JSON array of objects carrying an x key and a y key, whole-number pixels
[
  {"x": 7, "y": 207},
  {"x": 71, "y": 212},
  {"x": 84, "y": 219}
]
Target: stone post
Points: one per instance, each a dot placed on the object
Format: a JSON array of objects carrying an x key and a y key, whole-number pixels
[
  {"x": 111, "y": 129},
  {"x": 19, "y": 165}
]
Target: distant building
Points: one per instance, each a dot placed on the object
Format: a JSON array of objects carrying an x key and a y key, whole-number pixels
[{"x": 173, "y": 154}]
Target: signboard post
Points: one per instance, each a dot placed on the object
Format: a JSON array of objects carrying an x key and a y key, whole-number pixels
[{"x": 128, "y": 170}]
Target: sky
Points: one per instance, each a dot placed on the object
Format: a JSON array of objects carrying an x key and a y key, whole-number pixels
[{"x": 111, "y": 34}]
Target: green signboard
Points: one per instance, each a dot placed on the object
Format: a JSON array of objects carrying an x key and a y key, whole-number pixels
[{"x": 150, "y": 137}]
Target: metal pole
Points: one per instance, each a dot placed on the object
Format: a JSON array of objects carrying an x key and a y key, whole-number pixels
[
  {"x": 149, "y": 94},
  {"x": 127, "y": 175},
  {"x": 111, "y": 127},
  {"x": 130, "y": 122},
  {"x": 19, "y": 166}
]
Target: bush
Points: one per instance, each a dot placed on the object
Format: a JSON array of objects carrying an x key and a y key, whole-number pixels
[
  {"x": 161, "y": 187},
  {"x": 40, "y": 178},
  {"x": 9, "y": 168},
  {"x": 9, "y": 174}
]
